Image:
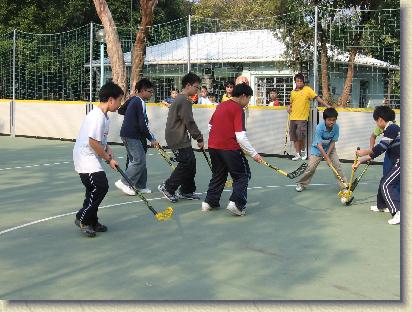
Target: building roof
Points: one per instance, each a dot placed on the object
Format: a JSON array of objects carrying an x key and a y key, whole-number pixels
[{"x": 238, "y": 46}]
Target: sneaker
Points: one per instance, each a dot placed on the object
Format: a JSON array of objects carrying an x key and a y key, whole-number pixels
[
  {"x": 124, "y": 188},
  {"x": 145, "y": 190},
  {"x": 86, "y": 229},
  {"x": 171, "y": 197},
  {"x": 304, "y": 155},
  {"x": 234, "y": 210},
  {"x": 98, "y": 227},
  {"x": 396, "y": 219},
  {"x": 299, "y": 188},
  {"x": 206, "y": 207},
  {"x": 77, "y": 222},
  {"x": 191, "y": 196},
  {"x": 376, "y": 209},
  {"x": 297, "y": 157}
]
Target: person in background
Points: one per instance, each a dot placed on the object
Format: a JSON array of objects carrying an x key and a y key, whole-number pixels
[
  {"x": 229, "y": 85},
  {"x": 242, "y": 79},
  {"x": 204, "y": 99},
  {"x": 298, "y": 110},
  {"x": 169, "y": 100},
  {"x": 212, "y": 99},
  {"x": 273, "y": 98}
]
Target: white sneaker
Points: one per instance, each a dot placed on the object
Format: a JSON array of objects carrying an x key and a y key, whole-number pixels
[
  {"x": 206, "y": 207},
  {"x": 145, "y": 190},
  {"x": 297, "y": 157},
  {"x": 299, "y": 188},
  {"x": 304, "y": 155},
  {"x": 234, "y": 210},
  {"x": 396, "y": 219},
  {"x": 124, "y": 188},
  {"x": 376, "y": 209}
]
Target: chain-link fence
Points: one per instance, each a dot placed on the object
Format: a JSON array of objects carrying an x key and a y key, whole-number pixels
[{"x": 268, "y": 51}]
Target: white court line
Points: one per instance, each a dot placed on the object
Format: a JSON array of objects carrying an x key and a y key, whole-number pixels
[
  {"x": 68, "y": 214},
  {"x": 38, "y": 165},
  {"x": 139, "y": 201}
]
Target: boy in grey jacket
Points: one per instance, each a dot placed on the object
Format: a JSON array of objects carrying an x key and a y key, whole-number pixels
[{"x": 179, "y": 125}]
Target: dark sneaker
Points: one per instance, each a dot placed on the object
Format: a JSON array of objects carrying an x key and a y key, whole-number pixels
[
  {"x": 86, "y": 229},
  {"x": 191, "y": 196},
  {"x": 99, "y": 227},
  {"x": 171, "y": 197},
  {"x": 77, "y": 222}
]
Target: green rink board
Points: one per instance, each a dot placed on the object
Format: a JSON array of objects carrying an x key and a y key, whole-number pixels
[{"x": 289, "y": 246}]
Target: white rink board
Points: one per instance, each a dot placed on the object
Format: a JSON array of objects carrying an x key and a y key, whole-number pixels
[
  {"x": 5, "y": 116},
  {"x": 265, "y": 127}
]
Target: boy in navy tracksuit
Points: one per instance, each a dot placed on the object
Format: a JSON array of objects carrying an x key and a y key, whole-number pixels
[{"x": 389, "y": 186}]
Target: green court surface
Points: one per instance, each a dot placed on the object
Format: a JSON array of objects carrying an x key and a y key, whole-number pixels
[{"x": 289, "y": 246}]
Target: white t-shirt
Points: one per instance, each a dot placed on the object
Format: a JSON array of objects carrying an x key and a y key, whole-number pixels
[
  {"x": 204, "y": 100},
  {"x": 95, "y": 126}
]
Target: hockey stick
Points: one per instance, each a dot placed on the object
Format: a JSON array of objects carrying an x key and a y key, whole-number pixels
[
  {"x": 229, "y": 182},
  {"x": 290, "y": 175},
  {"x": 166, "y": 157},
  {"x": 161, "y": 216},
  {"x": 359, "y": 177},
  {"x": 286, "y": 138},
  {"x": 347, "y": 194}
]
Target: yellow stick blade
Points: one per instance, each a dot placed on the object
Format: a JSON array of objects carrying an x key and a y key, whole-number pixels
[
  {"x": 229, "y": 183},
  {"x": 164, "y": 215}
]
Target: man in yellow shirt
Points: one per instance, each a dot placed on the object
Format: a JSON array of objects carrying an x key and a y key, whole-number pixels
[{"x": 299, "y": 114}]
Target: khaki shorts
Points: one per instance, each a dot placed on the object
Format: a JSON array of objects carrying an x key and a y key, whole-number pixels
[{"x": 298, "y": 130}]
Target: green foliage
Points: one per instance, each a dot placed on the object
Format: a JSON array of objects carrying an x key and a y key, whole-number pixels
[{"x": 51, "y": 16}]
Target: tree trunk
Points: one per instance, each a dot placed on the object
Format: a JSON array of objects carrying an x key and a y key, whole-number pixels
[
  {"x": 349, "y": 77},
  {"x": 139, "y": 51},
  {"x": 365, "y": 16},
  {"x": 324, "y": 61},
  {"x": 114, "y": 48}
]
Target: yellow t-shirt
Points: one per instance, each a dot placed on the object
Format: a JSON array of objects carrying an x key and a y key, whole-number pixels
[
  {"x": 300, "y": 101},
  {"x": 225, "y": 98}
]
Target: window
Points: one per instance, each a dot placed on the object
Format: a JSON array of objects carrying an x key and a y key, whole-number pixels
[{"x": 264, "y": 84}]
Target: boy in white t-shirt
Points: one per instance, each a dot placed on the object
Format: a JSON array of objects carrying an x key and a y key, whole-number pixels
[{"x": 90, "y": 146}]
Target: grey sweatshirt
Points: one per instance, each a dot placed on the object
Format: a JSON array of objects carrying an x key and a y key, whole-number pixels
[{"x": 180, "y": 122}]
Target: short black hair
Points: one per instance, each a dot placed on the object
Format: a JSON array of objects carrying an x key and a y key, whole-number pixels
[
  {"x": 330, "y": 112},
  {"x": 190, "y": 78},
  {"x": 384, "y": 112},
  {"x": 174, "y": 89},
  {"x": 204, "y": 87},
  {"x": 229, "y": 83},
  {"x": 144, "y": 84},
  {"x": 242, "y": 89},
  {"x": 273, "y": 90},
  {"x": 299, "y": 76},
  {"x": 108, "y": 90}
]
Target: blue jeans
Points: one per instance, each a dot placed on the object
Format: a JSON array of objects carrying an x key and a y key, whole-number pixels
[{"x": 136, "y": 170}]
